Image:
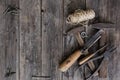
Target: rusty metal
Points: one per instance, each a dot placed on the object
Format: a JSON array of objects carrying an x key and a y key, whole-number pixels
[
  {"x": 83, "y": 34},
  {"x": 103, "y": 25},
  {"x": 105, "y": 55},
  {"x": 87, "y": 57},
  {"x": 74, "y": 30},
  {"x": 92, "y": 41}
]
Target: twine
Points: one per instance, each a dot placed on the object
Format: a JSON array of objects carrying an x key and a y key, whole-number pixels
[{"x": 80, "y": 16}]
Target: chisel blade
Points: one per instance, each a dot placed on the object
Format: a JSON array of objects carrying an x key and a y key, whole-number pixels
[{"x": 93, "y": 40}]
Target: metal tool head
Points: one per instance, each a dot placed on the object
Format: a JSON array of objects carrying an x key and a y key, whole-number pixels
[
  {"x": 83, "y": 34},
  {"x": 103, "y": 25},
  {"x": 93, "y": 40},
  {"x": 75, "y": 30},
  {"x": 107, "y": 53},
  {"x": 102, "y": 48}
]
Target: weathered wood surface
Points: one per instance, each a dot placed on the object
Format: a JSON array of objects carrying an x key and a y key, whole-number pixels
[
  {"x": 30, "y": 39},
  {"x": 33, "y": 43},
  {"x": 52, "y": 23},
  {"x": 8, "y": 41}
]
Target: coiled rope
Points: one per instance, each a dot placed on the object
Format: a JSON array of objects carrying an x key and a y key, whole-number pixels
[{"x": 80, "y": 16}]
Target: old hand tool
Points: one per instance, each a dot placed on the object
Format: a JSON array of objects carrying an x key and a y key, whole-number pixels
[
  {"x": 103, "y": 25},
  {"x": 86, "y": 58},
  {"x": 72, "y": 58},
  {"x": 76, "y": 31},
  {"x": 105, "y": 55},
  {"x": 80, "y": 34}
]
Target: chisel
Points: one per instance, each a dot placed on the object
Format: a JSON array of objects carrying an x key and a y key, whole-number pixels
[
  {"x": 86, "y": 58},
  {"x": 76, "y": 31}
]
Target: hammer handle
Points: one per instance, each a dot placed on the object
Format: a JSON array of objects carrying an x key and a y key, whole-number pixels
[
  {"x": 69, "y": 61},
  {"x": 79, "y": 39}
]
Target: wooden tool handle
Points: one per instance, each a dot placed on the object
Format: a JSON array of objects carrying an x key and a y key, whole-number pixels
[
  {"x": 91, "y": 65},
  {"x": 79, "y": 39},
  {"x": 85, "y": 59},
  {"x": 69, "y": 61}
]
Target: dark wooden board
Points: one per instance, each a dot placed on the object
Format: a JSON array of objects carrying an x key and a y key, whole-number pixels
[
  {"x": 2, "y": 42},
  {"x": 52, "y": 38},
  {"x": 9, "y": 40},
  {"x": 33, "y": 42},
  {"x": 30, "y": 39}
]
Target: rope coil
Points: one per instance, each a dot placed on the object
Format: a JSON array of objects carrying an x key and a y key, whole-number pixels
[{"x": 80, "y": 16}]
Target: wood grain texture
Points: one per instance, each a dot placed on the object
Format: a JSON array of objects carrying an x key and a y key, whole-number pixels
[
  {"x": 33, "y": 43},
  {"x": 114, "y": 64},
  {"x": 30, "y": 39},
  {"x": 2, "y": 42},
  {"x": 52, "y": 40},
  {"x": 9, "y": 37}
]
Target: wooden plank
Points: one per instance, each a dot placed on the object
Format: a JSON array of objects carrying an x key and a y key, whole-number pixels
[
  {"x": 52, "y": 27},
  {"x": 70, "y": 42},
  {"x": 114, "y": 64},
  {"x": 9, "y": 36},
  {"x": 30, "y": 39},
  {"x": 2, "y": 42}
]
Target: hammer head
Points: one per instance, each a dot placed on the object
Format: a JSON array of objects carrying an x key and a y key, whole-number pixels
[{"x": 103, "y": 25}]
